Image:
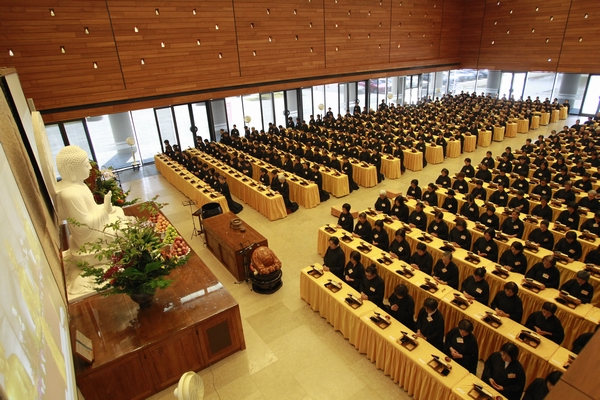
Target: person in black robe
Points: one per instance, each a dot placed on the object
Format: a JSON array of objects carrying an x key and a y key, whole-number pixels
[
  {"x": 421, "y": 259},
  {"x": 475, "y": 287},
  {"x": 264, "y": 177},
  {"x": 459, "y": 236},
  {"x": 281, "y": 186},
  {"x": 540, "y": 387},
  {"x": 383, "y": 204},
  {"x": 444, "y": 180},
  {"x": 461, "y": 346},
  {"x": 354, "y": 271},
  {"x": 489, "y": 218},
  {"x": 570, "y": 217},
  {"x": 345, "y": 220},
  {"x": 445, "y": 271},
  {"x": 362, "y": 229},
  {"x": 347, "y": 170},
  {"x": 430, "y": 324},
  {"x": 438, "y": 227},
  {"x": 379, "y": 236},
  {"x": 513, "y": 226},
  {"x": 460, "y": 185},
  {"x": 414, "y": 190},
  {"x": 486, "y": 247},
  {"x": 504, "y": 372},
  {"x": 507, "y": 303},
  {"x": 402, "y": 306},
  {"x": 479, "y": 191},
  {"x": 470, "y": 209},
  {"x": 590, "y": 202},
  {"x": 399, "y": 210},
  {"x": 519, "y": 202},
  {"x": 223, "y": 187},
  {"x": 583, "y": 339},
  {"x": 592, "y": 224},
  {"x": 417, "y": 218},
  {"x": 513, "y": 258},
  {"x": 400, "y": 248},
  {"x": 430, "y": 197},
  {"x": 542, "y": 236},
  {"x": 570, "y": 246},
  {"x": 580, "y": 287},
  {"x": 334, "y": 258},
  {"x": 372, "y": 287},
  {"x": 546, "y": 324},
  {"x": 317, "y": 178},
  {"x": 500, "y": 196},
  {"x": 545, "y": 272}
]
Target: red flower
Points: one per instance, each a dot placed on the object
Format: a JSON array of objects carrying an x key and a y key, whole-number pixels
[{"x": 110, "y": 272}]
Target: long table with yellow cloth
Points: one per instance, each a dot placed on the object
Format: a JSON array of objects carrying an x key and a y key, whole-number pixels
[
  {"x": 363, "y": 174},
  {"x": 409, "y": 369},
  {"x": 187, "y": 183},
  {"x": 511, "y": 130},
  {"x": 413, "y": 161},
  {"x": 390, "y": 166},
  {"x": 434, "y": 154},
  {"x": 453, "y": 149},
  {"x": 485, "y": 138},
  {"x": 499, "y": 133},
  {"x": 268, "y": 203},
  {"x": 470, "y": 143},
  {"x": 535, "y": 361}
]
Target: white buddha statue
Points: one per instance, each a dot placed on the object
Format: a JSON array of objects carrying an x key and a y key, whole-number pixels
[{"x": 75, "y": 200}]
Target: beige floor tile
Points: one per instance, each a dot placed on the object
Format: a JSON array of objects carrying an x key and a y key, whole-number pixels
[{"x": 274, "y": 380}]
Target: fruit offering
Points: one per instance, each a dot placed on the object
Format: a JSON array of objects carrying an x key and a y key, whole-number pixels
[
  {"x": 179, "y": 247},
  {"x": 170, "y": 235},
  {"x": 153, "y": 218},
  {"x": 161, "y": 224}
]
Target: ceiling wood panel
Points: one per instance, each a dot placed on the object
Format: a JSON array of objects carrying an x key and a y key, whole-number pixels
[
  {"x": 452, "y": 17},
  {"x": 582, "y": 56}
]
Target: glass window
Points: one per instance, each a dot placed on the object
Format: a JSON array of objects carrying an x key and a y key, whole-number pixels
[
  {"x": 252, "y": 110},
  {"x": 201, "y": 120},
  {"x": 108, "y": 134},
  {"x": 590, "y": 104},
  {"x": 539, "y": 84},
  {"x": 184, "y": 123},
  {"x": 219, "y": 116},
  {"x": 318, "y": 102},
  {"x": 165, "y": 125},
  {"x": 292, "y": 103},
  {"x": 463, "y": 80},
  {"x": 481, "y": 83},
  {"x": 411, "y": 89},
  {"x": 352, "y": 96},
  {"x": 362, "y": 94},
  {"x": 343, "y": 98},
  {"x": 146, "y": 132},
  {"x": 518, "y": 84},
  {"x": 440, "y": 83},
  {"x": 76, "y": 135},
  {"x": 424, "y": 86},
  {"x": 267, "y": 109},
  {"x": 235, "y": 113},
  {"x": 579, "y": 97},
  {"x": 373, "y": 90},
  {"x": 307, "y": 104},
  {"x": 279, "y": 103},
  {"x": 392, "y": 84},
  {"x": 505, "y": 84},
  {"x": 332, "y": 99},
  {"x": 56, "y": 142}
]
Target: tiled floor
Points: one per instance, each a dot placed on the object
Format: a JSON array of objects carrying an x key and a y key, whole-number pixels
[{"x": 292, "y": 353}]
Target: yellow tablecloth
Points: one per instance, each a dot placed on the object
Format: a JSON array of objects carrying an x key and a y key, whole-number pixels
[
  {"x": 499, "y": 133},
  {"x": 470, "y": 144},
  {"x": 511, "y": 130},
  {"x": 335, "y": 184},
  {"x": 453, "y": 149},
  {"x": 364, "y": 176},
  {"x": 523, "y": 126},
  {"x": 188, "y": 184},
  {"x": 408, "y": 368},
  {"x": 564, "y": 113},
  {"x": 485, "y": 138},
  {"x": 434, "y": 154},
  {"x": 535, "y": 122},
  {"x": 390, "y": 167},
  {"x": 555, "y": 116},
  {"x": 413, "y": 161},
  {"x": 545, "y": 119},
  {"x": 462, "y": 389},
  {"x": 560, "y": 358}
]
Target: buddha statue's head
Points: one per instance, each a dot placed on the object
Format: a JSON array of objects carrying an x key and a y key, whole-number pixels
[{"x": 73, "y": 164}]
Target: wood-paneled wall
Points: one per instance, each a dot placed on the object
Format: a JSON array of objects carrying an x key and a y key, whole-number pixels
[
  {"x": 129, "y": 54},
  {"x": 527, "y": 35}
]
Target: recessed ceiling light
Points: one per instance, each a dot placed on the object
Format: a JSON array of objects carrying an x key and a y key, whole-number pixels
[
  {"x": 62, "y": 49},
  {"x": 194, "y": 11},
  {"x": 10, "y": 53},
  {"x": 135, "y": 29},
  {"x": 52, "y": 12},
  {"x": 156, "y": 11},
  {"x": 86, "y": 30},
  {"x": 96, "y": 65},
  {"x": 142, "y": 61}
]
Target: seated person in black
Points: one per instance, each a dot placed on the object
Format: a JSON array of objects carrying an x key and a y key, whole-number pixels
[
  {"x": 584, "y": 183},
  {"x": 468, "y": 169},
  {"x": 414, "y": 191},
  {"x": 546, "y": 324},
  {"x": 543, "y": 172},
  {"x": 500, "y": 196},
  {"x": 483, "y": 173},
  {"x": 593, "y": 257},
  {"x": 519, "y": 202},
  {"x": 486, "y": 247},
  {"x": 461, "y": 346},
  {"x": 430, "y": 324},
  {"x": 444, "y": 180},
  {"x": 540, "y": 387},
  {"x": 400, "y": 248},
  {"x": 580, "y": 287},
  {"x": 362, "y": 228},
  {"x": 445, "y": 271},
  {"x": 460, "y": 236},
  {"x": 489, "y": 218},
  {"x": 345, "y": 220},
  {"x": 460, "y": 185},
  {"x": 501, "y": 179},
  {"x": 354, "y": 271},
  {"x": 522, "y": 168},
  {"x": 372, "y": 287},
  {"x": 590, "y": 202},
  {"x": 334, "y": 258},
  {"x": 570, "y": 217},
  {"x": 542, "y": 236},
  {"x": 570, "y": 246},
  {"x": 582, "y": 340},
  {"x": 504, "y": 372},
  {"x": 421, "y": 259},
  {"x": 438, "y": 227},
  {"x": 379, "y": 236},
  {"x": 470, "y": 209},
  {"x": 383, "y": 204},
  {"x": 488, "y": 160},
  {"x": 567, "y": 194},
  {"x": 542, "y": 210},
  {"x": 513, "y": 259},
  {"x": 264, "y": 177},
  {"x": 450, "y": 204},
  {"x": 543, "y": 189},
  {"x": 402, "y": 306},
  {"x": 513, "y": 226},
  {"x": 521, "y": 184},
  {"x": 545, "y": 272},
  {"x": 561, "y": 176},
  {"x": 479, "y": 191},
  {"x": 475, "y": 287},
  {"x": 430, "y": 197},
  {"x": 417, "y": 218},
  {"x": 507, "y": 303},
  {"x": 399, "y": 210}
]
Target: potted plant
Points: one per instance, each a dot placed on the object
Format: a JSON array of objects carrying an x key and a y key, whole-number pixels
[
  {"x": 139, "y": 254},
  {"x": 101, "y": 182}
]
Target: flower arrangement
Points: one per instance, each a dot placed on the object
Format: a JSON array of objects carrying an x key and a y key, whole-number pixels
[
  {"x": 139, "y": 260},
  {"x": 101, "y": 181}
]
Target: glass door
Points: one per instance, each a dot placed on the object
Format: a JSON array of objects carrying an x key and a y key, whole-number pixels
[
  {"x": 219, "y": 117},
  {"x": 166, "y": 125},
  {"x": 146, "y": 133},
  {"x": 77, "y": 135},
  {"x": 591, "y": 103},
  {"x": 183, "y": 123}
]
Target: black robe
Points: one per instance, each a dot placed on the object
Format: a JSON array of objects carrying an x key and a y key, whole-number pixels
[
  {"x": 431, "y": 327},
  {"x": 511, "y": 378},
  {"x": 467, "y": 346},
  {"x": 234, "y": 206}
]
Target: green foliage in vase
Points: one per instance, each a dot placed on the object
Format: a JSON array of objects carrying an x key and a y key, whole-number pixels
[{"x": 100, "y": 182}]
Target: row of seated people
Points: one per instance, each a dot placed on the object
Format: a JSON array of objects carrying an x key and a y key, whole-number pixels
[{"x": 459, "y": 343}]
